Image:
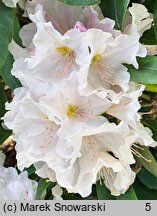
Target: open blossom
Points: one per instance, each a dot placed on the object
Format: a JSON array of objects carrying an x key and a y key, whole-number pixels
[
  {"x": 14, "y": 186},
  {"x": 104, "y": 153},
  {"x": 127, "y": 108},
  {"x": 71, "y": 16},
  {"x": 53, "y": 58},
  {"x": 72, "y": 111},
  {"x": 34, "y": 134},
  {"x": 103, "y": 72}
]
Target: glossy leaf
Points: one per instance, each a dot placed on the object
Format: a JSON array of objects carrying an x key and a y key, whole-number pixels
[
  {"x": 129, "y": 195},
  {"x": 5, "y": 72},
  {"x": 147, "y": 72},
  {"x": 149, "y": 5},
  {"x": 42, "y": 186},
  {"x": 116, "y": 10},
  {"x": 103, "y": 192},
  {"x": 7, "y": 16},
  {"x": 147, "y": 179},
  {"x": 149, "y": 163},
  {"x": 144, "y": 193},
  {"x": 148, "y": 37},
  {"x": 80, "y": 2}
]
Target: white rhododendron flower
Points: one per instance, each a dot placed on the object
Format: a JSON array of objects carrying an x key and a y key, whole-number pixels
[
  {"x": 103, "y": 73},
  {"x": 127, "y": 108},
  {"x": 16, "y": 186},
  {"x": 105, "y": 152},
  {"x": 44, "y": 171},
  {"x": 70, "y": 17},
  {"x": 34, "y": 133},
  {"x": 2, "y": 158},
  {"x": 10, "y": 3},
  {"x": 141, "y": 18},
  {"x": 72, "y": 111},
  {"x": 57, "y": 192}
]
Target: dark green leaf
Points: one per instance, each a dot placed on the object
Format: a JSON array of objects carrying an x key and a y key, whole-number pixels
[
  {"x": 42, "y": 186},
  {"x": 147, "y": 179},
  {"x": 115, "y": 9},
  {"x": 149, "y": 163},
  {"x": 3, "y": 99},
  {"x": 144, "y": 193},
  {"x": 4, "y": 134},
  {"x": 80, "y": 2},
  {"x": 155, "y": 18},
  {"x": 7, "y": 16},
  {"x": 129, "y": 195},
  {"x": 6, "y": 75},
  {"x": 16, "y": 36},
  {"x": 148, "y": 38},
  {"x": 147, "y": 72},
  {"x": 149, "y": 4},
  {"x": 103, "y": 193},
  {"x": 30, "y": 170}
]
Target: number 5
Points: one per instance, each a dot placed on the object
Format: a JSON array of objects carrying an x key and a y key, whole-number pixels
[{"x": 148, "y": 207}]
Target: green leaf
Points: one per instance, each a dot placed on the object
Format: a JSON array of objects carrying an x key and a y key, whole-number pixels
[
  {"x": 80, "y": 2},
  {"x": 3, "y": 99},
  {"x": 147, "y": 72},
  {"x": 155, "y": 18},
  {"x": 103, "y": 192},
  {"x": 4, "y": 134},
  {"x": 115, "y": 9},
  {"x": 148, "y": 38},
  {"x": 144, "y": 193},
  {"x": 42, "y": 186},
  {"x": 151, "y": 166},
  {"x": 149, "y": 4},
  {"x": 147, "y": 179},
  {"x": 7, "y": 16},
  {"x": 152, "y": 124},
  {"x": 129, "y": 195},
  {"x": 16, "y": 29},
  {"x": 5, "y": 72}
]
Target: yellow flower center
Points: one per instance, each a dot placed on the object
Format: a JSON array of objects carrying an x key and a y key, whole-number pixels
[
  {"x": 64, "y": 50},
  {"x": 71, "y": 111},
  {"x": 95, "y": 58}
]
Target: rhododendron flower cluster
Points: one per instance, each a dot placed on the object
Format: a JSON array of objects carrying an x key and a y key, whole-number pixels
[{"x": 74, "y": 81}]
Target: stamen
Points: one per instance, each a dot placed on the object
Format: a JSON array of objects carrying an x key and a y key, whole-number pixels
[
  {"x": 139, "y": 155},
  {"x": 71, "y": 111},
  {"x": 104, "y": 71},
  {"x": 66, "y": 63},
  {"x": 95, "y": 58},
  {"x": 64, "y": 50}
]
